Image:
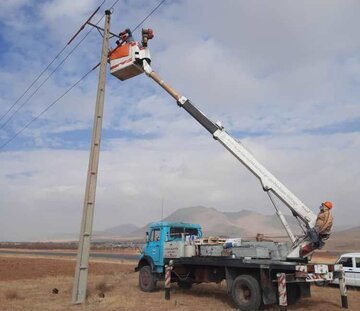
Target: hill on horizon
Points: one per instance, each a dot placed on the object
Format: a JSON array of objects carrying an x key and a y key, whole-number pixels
[
  {"x": 344, "y": 241},
  {"x": 119, "y": 230},
  {"x": 244, "y": 223}
]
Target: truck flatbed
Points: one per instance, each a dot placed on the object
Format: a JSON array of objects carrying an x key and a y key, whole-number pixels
[{"x": 235, "y": 262}]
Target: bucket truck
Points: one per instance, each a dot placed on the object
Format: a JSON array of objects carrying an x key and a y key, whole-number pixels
[{"x": 254, "y": 270}]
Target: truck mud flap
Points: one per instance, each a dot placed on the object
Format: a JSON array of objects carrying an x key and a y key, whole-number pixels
[{"x": 267, "y": 287}]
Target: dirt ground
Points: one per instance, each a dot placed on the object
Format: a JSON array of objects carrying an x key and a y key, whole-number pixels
[
  {"x": 128, "y": 251},
  {"x": 26, "y": 283}
]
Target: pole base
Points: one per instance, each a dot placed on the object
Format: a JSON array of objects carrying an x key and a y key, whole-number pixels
[
  {"x": 167, "y": 293},
  {"x": 344, "y": 302}
]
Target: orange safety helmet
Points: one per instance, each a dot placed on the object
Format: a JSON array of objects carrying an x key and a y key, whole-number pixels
[{"x": 328, "y": 204}]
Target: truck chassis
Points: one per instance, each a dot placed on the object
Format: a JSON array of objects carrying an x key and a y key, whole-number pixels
[{"x": 251, "y": 283}]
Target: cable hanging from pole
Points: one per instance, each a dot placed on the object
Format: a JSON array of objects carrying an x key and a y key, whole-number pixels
[
  {"x": 51, "y": 73},
  {"x": 135, "y": 28},
  {"x": 47, "y": 108},
  {"x": 36, "y": 79},
  {"x": 82, "y": 78},
  {"x": 151, "y": 13}
]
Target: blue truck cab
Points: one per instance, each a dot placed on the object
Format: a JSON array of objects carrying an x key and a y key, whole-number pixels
[{"x": 151, "y": 261}]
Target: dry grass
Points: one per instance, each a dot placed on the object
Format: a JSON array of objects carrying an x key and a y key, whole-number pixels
[
  {"x": 324, "y": 257},
  {"x": 12, "y": 294},
  {"x": 125, "y": 295},
  {"x": 103, "y": 286}
]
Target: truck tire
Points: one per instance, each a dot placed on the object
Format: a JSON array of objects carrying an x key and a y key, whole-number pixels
[
  {"x": 245, "y": 292},
  {"x": 293, "y": 293},
  {"x": 147, "y": 279},
  {"x": 184, "y": 284}
]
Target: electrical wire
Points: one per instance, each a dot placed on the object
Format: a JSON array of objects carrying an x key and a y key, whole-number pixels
[
  {"x": 39, "y": 76},
  {"x": 151, "y": 13},
  {"x": 82, "y": 78},
  {"x": 36, "y": 79},
  {"x": 48, "y": 77},
  {"x": 47, "y": 108},
  {"x": 114, "y": 4}
]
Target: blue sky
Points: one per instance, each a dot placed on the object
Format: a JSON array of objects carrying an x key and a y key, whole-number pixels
[{"x": 283, "y": 78}]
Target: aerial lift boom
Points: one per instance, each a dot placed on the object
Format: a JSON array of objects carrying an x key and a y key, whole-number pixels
[{"x": 131, "y": 58}]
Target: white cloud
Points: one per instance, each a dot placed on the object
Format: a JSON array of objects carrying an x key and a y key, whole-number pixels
[{"x": 280, "y": 69}]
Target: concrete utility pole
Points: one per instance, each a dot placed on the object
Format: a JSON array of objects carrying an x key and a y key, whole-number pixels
[{"x": 81, "y": 272}]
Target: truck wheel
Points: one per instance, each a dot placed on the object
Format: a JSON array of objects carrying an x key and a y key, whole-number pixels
[
  {"x": 184, "y": 284},
  {"x": 293, "y": 293},
  {"x": 147, "y": 279},
  {"x": 245, "y": 292}
]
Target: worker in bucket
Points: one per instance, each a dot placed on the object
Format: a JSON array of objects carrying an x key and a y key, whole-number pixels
[{"x": 323, "y": 224}]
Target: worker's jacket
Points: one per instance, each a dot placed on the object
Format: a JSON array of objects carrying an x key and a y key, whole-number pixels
[{"x": 324, "y": 221}]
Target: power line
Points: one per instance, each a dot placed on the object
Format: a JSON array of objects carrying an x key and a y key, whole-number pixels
[
  {"x": 40, "y": 74},
  {"x": 47, "y": 78},
  {"x": 30, "y": 86},
  {"x": 114, "y": 4},
  {"x": 151, "y": 13},
  {"x": 47, "y": 108},
  {"x": 69, "y": 89}
]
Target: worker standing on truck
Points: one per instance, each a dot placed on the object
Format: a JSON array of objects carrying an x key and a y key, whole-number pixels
[{"x": 323, "y": 224}]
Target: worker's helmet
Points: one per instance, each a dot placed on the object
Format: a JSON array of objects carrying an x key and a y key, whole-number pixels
[{"x": 328, "y": 204}]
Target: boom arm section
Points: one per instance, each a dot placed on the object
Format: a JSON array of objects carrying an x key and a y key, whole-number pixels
[{"x": 268, "y": 181}]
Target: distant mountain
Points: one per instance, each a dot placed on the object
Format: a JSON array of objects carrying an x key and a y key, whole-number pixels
[
  {"x": 337, "y": 228},
  {"x": 348, "y": 233},
  {"x": 121, "y": 230},
  {"x": 211, "y": 220},
  {"x": 244, "y": 223},
  {"x": 344, "y": 241}
]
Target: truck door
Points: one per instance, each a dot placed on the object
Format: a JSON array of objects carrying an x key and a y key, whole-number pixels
[
  {"x": 349, "y": 269},
  {"x": 357, "y": 270},
  {"x": 154, "y": 245}
]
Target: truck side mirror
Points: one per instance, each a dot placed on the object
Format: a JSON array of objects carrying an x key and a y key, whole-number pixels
[{"x": 147, "y": 235}]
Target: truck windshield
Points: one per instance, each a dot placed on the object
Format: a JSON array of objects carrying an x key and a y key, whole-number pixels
[{"x": 177, "y": 232}]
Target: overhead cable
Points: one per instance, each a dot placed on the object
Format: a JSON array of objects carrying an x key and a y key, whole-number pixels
[
  {"x": 46, "y": 109},
  {"x": 36, "y": 79},
  {"x": 47, "y": 78},
  {"x": 151, "y": 13},
  {"x": 82, "y": 78}
]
